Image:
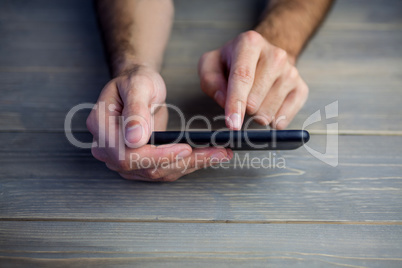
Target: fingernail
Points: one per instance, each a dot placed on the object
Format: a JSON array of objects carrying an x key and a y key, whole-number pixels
[
  {"x": 235, "y": 121},
  {"x": 281, "y": 125},
  {"x": 165, "y": 146},
  {"x": 219, "y": 98},
  {"x": 134, "y": 133},
  {"x": 184, "y": 154}
]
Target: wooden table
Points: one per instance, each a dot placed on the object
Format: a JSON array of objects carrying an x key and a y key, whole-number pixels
[{"x": 61, "y": 207}]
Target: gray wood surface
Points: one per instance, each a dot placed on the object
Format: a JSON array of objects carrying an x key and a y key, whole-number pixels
[
  {"x": 59, "y": 207},
  {"x": 120, "y": 244},
  {"x": 356, "y": 59},
  {"x": 67, "y": 183}
]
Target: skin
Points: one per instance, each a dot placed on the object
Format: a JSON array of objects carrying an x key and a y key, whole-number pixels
[{"x": 255, "y": 74}]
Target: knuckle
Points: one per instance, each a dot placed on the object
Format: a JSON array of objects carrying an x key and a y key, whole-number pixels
[
  {"x": 238, "y": 102},
  {"x": 252, "y": 105},
  {"x": 256, "y": 97},
  {"x": 131, "y": 94},
  {"x": 252, "y": 37},
  {"x": 135, "y": 112},
  {"x": 140, "y": 80},
  {"x": 132, "y": 108},
  {"x": 280, "y": 56},
  {"x": 293, "y": 73},
  {"x": 132, "y": 86},
  {"x": 243, "y": 74}
]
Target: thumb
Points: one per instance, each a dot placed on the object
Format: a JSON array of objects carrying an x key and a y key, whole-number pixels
[
  {"x": 137, "y": 116},
  {"x": 136, "y": 126}
]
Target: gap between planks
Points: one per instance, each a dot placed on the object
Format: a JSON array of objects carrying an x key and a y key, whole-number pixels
[
  {"x": 229, "y": 254},
  {"x": 205, "y": 221}
]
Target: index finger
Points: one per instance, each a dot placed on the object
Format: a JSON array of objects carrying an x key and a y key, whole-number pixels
[{"x": 244, "y": 59}]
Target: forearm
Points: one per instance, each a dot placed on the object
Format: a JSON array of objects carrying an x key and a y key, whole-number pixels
[
  {"x": 289, "y": 24},
  {"x": 135, "y": 31}
]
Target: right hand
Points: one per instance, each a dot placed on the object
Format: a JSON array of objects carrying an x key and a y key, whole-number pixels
[
  {"x": 131, "y": 96},
  {"x": 251, "y": 75}
]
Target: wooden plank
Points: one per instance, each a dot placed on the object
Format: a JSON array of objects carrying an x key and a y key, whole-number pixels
[
  {"x": 47, "y": 68},
  {"x": 77, "y": 25},
  {"x": 378, "y": 111},
  {"x": 43, "y": 177},
  {"x": 46, "y": 10},
  {"x": 41, "y": 100},
  {"x": 77, "y": 10},
  {"x": 24, "y": 108},
  {"x": 69, "y": 46},
  {"x": 61, "y": 207},
  {"x": 169, "y": 244},
  {"x": 77, "y": 45},
  {"x": 366, "y": 12},
  {"x": 344, "y": 11}
]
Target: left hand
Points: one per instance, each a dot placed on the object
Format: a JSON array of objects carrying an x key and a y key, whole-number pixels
[
  {"x": 251, "y": 75},
  {"x": 128, "y": 102}
]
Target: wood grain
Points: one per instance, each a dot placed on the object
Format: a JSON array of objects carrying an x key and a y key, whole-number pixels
[
  {"x": 59, "y": 207},
  {"x": 171, "y": 244},
  {"x": 47, "y": 68},
  {"x": 43, "y": 177}
]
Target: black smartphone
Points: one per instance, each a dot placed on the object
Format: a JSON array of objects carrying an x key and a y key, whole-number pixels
[{"x": 235, "y": 140}]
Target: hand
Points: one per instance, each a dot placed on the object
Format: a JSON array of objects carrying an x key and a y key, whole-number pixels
[
  {"x": 251, "y": 75},
  {"x": 130, "y": 98}
]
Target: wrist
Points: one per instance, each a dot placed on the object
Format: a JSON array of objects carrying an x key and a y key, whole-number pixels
[
  {"x": 127, "y": 63},
  {"x": 275, "y": 37}
]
